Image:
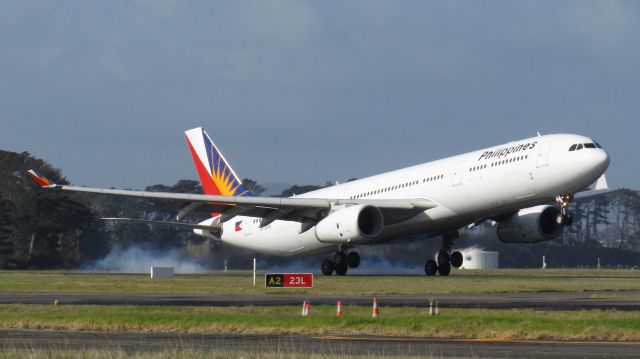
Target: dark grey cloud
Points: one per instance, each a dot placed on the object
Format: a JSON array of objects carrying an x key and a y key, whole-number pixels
[{"x": 305, "y": 92}]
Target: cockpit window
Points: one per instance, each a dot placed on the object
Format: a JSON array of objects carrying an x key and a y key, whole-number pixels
[{"x": 579, "y": 146}]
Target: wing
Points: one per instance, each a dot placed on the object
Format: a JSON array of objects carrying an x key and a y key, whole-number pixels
[{"x": 308, "y": 210}]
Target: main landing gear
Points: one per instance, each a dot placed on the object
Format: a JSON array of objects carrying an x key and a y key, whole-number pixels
[
  {"x": 341, "y": 262},
  {"x": 445, "y": 259},
  {"x": 564, "y": 201}
]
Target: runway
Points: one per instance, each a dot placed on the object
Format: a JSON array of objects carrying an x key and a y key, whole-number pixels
[
  {"x": 325, "y": 344},
  {"x": 618, "y": 300}
]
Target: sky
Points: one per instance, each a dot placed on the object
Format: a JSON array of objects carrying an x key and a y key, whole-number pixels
[{"x": 305, "y": 92}]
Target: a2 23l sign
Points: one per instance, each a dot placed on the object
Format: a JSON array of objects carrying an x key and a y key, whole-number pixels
[{"x": 288, "y": 280}]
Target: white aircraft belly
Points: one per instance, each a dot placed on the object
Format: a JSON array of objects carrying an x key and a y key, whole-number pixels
[{"x": 278, "y": 238}]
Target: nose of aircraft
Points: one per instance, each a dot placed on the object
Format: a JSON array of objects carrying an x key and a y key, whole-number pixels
[
  {"x": 591, "y": 162},
  {"x": 601, "y": 160}
]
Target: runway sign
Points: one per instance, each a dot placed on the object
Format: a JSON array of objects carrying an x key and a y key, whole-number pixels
[{"x": 288, "y": 280}]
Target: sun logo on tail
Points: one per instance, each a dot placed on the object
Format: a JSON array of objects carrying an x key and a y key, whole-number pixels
[
  {"x": 216, "y": 176},
  {"x": 222, "y": 177}
]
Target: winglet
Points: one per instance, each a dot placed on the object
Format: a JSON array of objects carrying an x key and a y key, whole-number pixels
[
  {"x": 601, "y": 184},
  {"x": 41, "y": 180}
]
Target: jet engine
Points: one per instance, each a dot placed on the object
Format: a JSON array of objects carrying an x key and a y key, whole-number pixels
[
  {"x": 531, "y": 225},
  {"x": 350, "y": 224}
]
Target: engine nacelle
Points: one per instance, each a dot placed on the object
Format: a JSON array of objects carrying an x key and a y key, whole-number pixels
[
  {"x": 350, "y": 224},
  {"x": 531, "y": 225}
]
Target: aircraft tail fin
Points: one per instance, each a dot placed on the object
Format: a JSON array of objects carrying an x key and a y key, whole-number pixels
[{"x": 216, "y": 175}]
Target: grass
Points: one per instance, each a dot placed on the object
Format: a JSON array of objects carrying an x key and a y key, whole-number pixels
[
  {"x": 452, "y": 323},
  {"x": 463, "y": 281}
]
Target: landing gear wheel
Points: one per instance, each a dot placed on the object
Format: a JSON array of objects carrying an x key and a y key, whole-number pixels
[
  {"x": 444, "y": 267},
  {"x": 327, "y": 267},
  {"x": 567, "y": 220},
  {"x": 341, "y": 269},
  {"x": 353, "y": 259},
  {"x": 339, "y": 259},
  {"x": 442, "y": 258},
  {"x": 430, "y": 267},
  {"x": 456, "y": 259},
  {"x": 560, "y": 219}
]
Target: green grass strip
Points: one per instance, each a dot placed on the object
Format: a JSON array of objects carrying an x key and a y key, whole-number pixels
[
  {"x": 461, "y": 281},
  {"x": 458, "y": 323}
]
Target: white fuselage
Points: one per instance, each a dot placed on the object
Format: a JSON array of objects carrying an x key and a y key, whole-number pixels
[{"x": 466, "y": 188}]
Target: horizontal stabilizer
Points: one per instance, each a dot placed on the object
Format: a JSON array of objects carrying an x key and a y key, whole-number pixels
[{"x": 41, "y": 180}]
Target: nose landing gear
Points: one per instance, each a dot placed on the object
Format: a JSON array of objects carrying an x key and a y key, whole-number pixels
[{"x": 564, "y": 201}]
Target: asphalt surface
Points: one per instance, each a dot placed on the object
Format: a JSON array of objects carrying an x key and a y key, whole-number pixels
[
  {"x": 337, "y": 345},
  {"x": 539, "y": 301}
]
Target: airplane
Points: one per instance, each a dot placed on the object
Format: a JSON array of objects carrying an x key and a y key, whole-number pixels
[{"x": 514, "y": 185}]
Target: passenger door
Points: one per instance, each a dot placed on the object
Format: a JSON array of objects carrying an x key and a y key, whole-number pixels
[
  {"x": 457, "y": 174},
  {"x": 543, "y": 154}
]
